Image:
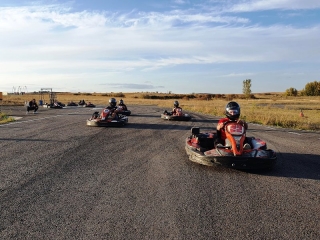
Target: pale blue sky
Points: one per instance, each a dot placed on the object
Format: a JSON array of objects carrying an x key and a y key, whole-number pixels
[{"x": 180, "y": 46}]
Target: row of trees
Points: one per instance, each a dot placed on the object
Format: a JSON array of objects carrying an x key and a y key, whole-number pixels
[{"x": 310, "y": 89}]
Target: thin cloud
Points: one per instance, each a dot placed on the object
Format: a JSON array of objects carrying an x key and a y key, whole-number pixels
[
  {"x": 262, "y": 5},
  {"x": 133, "y": 86},
  {"x": 179, "y": 1},
  {"x": 238, "y": 75}
]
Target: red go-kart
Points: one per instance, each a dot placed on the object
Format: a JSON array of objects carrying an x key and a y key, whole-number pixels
[{"x": 201, "y": 148}]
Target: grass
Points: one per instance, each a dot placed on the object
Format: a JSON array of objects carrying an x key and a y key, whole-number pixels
[
  {"x": 271, "y": 109},
  {"x": 4, "y": 118}
]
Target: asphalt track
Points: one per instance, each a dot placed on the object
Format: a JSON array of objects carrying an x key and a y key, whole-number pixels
[{"x": 60, "y": 179}]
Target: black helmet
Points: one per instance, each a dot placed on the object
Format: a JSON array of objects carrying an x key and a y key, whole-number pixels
[
  {"x": 112, "y": 102},
  {"x": 121, "y": 101},
  {"x": 232, "y": 110},
  {"x": 176, "y": 104}
]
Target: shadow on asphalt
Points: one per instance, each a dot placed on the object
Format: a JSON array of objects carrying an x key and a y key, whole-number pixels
[
  {"x": 157, "y": 126},
  {"x": 145, "y": 115},
  {"x": 289, "y": 165},
  {"x": 292, "y": 165}
]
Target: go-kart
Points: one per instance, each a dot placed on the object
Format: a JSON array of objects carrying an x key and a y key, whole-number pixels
[
  {"x": 72, "y": 104},
  {"x": 124, "y": 111},
  {"x": 95, "y": 121},
  {"x": 81, "y": 103},
  {"x": 61, "y": 104},
  {"x": 89, "y": 105},
  {"x": 201, "y": 149},
  {"x": 53, "y": 105},
  {"x": 179, "y": 116}
]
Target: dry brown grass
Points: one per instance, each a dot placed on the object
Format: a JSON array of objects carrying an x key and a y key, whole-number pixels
[{"x": 268, "y": 108}]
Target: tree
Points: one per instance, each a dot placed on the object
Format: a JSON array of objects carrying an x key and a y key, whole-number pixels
[
  {"x": 312, "y": 89},
  {"x": 247, "y": 88},
  {"x": 291, "y": 92}
]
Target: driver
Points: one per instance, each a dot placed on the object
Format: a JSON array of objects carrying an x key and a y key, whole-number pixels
[
  {"x": 110, "y": 110},
  {"x": 122, "y": 105},
  {"x": 176, "y": 109},
  {"x": 232, "y": 114}
]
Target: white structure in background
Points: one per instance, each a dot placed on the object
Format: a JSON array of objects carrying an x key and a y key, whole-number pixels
[{"x": 19, "y": 90}]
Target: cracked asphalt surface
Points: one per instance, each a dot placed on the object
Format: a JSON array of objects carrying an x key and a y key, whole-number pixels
[{"x": 61, "y": 179}]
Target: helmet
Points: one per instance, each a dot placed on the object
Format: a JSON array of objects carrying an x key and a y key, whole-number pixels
[
  {"x": 121, "y": 101},
  {"x": 112, "y": 102},
  {"x": 232, "y": 110},
  {"x": 176, "y": 104}
]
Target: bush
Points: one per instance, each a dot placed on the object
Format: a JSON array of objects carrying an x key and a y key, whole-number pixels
[
  {"x": 119, "y": 95},
  {"x": 291, "y": 92},
  {"x": 312, "y": 89}
]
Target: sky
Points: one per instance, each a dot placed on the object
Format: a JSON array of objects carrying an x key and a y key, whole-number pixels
[{"x": 177, "y": 46}]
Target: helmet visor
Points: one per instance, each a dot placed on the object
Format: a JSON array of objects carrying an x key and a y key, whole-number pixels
[{"x": 232, "y": 111}]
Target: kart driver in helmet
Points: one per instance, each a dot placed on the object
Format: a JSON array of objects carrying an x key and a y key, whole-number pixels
[
  {"x": 176, "y": 109},
  {"x": 232, "y": 113},
  {"x": 122, "y": 105},
  {"x": 111, "y": 110}
]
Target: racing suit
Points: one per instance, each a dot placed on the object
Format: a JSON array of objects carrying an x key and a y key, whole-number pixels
[
  {"x": 221, "y": 134},
  {"x": 123, "y": 107},
  {"x": 113, "y": 111},
  {"x": 177, "y": 111}
]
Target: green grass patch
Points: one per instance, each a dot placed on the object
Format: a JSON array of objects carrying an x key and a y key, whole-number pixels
[{"x": 4, "y": 118}]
